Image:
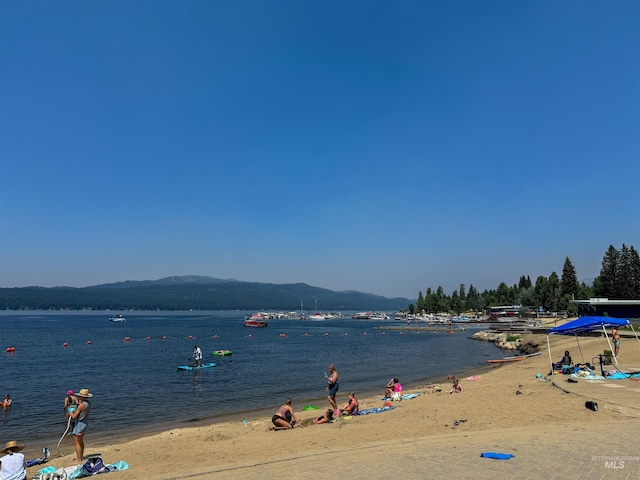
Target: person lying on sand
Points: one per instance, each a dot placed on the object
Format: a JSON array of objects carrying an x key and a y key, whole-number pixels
[{"x": 326, "y": 418}]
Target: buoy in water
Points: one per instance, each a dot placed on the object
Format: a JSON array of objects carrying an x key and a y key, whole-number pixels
[
  {"x": 11, "y": 349},
  {"x": 326, "y": 334},
  {"x": 164, "y": 338},
  {"x": 126, "y": 339},
  {"x": 282, "y": 335},
  {"x": 65, "y": 345},
  {"x": 148, "y": 338},
  {"x": 215, "y": 336},
  {"x": 89, "y": 342}
]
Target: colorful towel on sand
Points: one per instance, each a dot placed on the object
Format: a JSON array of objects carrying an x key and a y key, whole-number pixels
[
  {"x": 587, "y": 377},
  {"x": 374, "y": 410},
  {"x": 497, "y": 456},
  {"x": 622, "y": 376},
  {"x": 406, "y": 396}
]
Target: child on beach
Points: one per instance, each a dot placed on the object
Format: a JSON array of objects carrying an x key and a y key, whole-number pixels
[{"x": 456, "y": 388}]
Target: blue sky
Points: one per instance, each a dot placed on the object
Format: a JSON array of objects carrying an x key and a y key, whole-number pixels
[{"x": 377, "y": 146}]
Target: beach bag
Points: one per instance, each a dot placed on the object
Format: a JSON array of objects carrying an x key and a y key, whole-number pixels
[{"x": 93, "y": 466}]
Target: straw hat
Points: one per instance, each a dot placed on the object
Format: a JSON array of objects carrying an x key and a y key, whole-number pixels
[
  {"x": 84, "y": 393},
  {"x": 12, "y": 445}
]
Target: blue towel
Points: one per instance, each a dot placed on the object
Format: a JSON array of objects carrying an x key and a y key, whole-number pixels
[{"x": 497, "y": 456}]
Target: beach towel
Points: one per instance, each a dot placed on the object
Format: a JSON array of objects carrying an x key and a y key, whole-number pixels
[
  {"x": 406, "y": 396},
  {"x": 622, "y": 376},
  {"x": 374, "y": 410},
  {"x": 497, "y": 456},
  {"x": 592, "y": 376}
]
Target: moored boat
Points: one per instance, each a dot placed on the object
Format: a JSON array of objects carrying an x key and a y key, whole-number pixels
[
  {"x": 117, "y": 318},
  {"x": 255, "y": 323}
]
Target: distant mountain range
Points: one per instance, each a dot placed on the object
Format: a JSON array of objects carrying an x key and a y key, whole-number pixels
[{"x": 194, "y": 292}]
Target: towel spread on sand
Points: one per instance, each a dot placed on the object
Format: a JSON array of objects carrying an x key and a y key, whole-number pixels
[
  {"x": 406, "y": 396},
  {"x": 374, "y": 410},
  {"x": 497, "y": 456}
]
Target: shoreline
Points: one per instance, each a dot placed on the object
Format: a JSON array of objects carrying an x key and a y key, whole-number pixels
[
  {"x": 102, "y": 439},
  {"x": 507, "y": 409}
]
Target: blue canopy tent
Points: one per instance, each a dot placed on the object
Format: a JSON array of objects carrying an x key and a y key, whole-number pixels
[{"x": 585, "y": 325}]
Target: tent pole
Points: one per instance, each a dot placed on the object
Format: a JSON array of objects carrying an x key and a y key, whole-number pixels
[
  {"x": 550, "y": 359},
  {"x": 613, "y": 352},
  {"x": 634, "y": 331},
  {"x": 579, "y": 347}
]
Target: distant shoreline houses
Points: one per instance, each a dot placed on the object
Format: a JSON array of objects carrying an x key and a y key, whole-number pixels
[{"x": 603, "y": 307}]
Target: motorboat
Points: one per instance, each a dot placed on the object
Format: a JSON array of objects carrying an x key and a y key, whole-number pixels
[
  {"x": 255, "y": 323},
  {"x": 117, "y": 318}
]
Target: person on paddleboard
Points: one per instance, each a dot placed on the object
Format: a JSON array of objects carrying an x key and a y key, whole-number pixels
[{"x": 197, "y": 355}]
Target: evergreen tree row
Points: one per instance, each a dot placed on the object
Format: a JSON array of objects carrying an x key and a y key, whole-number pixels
[{"x": 619, "y": 279}]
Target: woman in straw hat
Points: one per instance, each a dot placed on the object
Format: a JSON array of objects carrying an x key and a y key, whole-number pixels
[
  {"x": 13, "y": 465},
  {"x": 80, "y": 416}
]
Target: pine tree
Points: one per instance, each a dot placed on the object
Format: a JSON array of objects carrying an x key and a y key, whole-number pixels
[{"x": 569, "y": 281}]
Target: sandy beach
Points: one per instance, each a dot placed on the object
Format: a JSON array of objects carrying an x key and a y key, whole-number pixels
[{"x": 506, "y": 410}]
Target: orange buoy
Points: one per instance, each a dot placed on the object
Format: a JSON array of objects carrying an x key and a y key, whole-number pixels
[
  {"x": 164, "y": 338},
  {"x": 215, "y": 336},
  {"x": 306, "y": 334},
  {"x": 190, "y": 336},
  {"x": 126, "y": 339},
  {"x": 65, "y": 345},
  {"x": 148, "y": 338},
  {"x": 89, "y": 342},
  {"x": 282, "y": 335},
  {"x": 11, "y": 349}
]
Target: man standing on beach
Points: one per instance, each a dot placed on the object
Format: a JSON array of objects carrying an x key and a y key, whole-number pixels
[
  {"x": 332, "y": 386},
  {"x": 616, "y": 341}
]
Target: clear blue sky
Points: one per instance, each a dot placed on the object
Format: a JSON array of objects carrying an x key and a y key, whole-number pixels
[{"x": 377, "y": 146}]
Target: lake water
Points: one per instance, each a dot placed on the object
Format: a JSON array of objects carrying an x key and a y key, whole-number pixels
[{"x": 137, "y": 386}]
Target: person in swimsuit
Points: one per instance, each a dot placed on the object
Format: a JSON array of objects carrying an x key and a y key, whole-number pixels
[
  {"x": 390, "y": 387},
  {"x": 326, "y": 418},
  {"x": 80, "y": 417},
  {"x": 6, "y": 403},
  {"x": 71, "y": 403},
  {"x": 456, "y": 388},
  {"x": 332, "y": 387},
  {"x": 351, "y": 407},
  {"x": 616, "y": 341},
  {"x": 285, "y": 418}
]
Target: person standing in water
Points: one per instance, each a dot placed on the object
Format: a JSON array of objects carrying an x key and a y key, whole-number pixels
[{"x": 332, "y": 387}]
